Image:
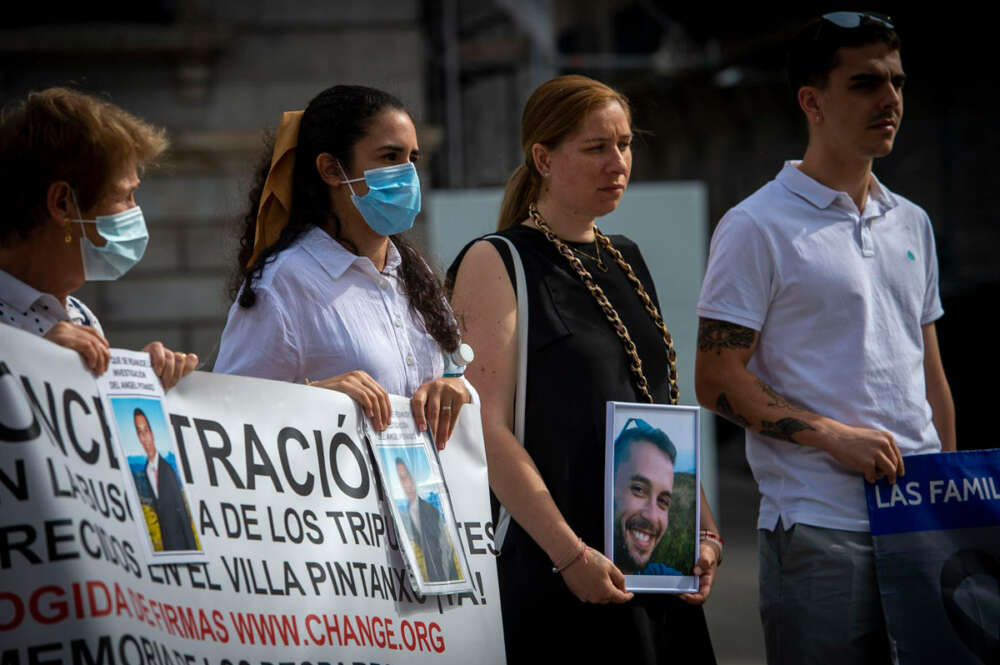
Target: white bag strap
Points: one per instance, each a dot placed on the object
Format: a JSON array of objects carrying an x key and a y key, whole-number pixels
[{"x": 521, "y": 294}]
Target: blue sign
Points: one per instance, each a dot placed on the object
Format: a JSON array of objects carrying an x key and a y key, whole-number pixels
[
  {"x": 939, "y": 491},
  {"x": 936, "y": 533}
]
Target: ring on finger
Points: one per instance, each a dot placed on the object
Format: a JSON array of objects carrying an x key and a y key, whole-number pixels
[{"x": 446, "y": 407}]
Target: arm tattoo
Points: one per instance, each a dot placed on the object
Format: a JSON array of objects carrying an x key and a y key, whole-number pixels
[
  {"x": 777, "y": 401},
  {"x": 784, "y": 429},
  {"x": 725, "y": 409},
  {"x": 716, "y": 335}
]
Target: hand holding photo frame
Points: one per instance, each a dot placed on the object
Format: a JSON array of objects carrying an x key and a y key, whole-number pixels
[
  {"x": 651, "y": 495},
  {"x": 419, "y": 504}
]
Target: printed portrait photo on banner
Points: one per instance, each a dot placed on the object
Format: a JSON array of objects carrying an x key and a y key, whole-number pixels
[
  {"x": 153, "y": 467},
  {"x": 652, "y": 495},
  {"x": 424, "y": 515}
]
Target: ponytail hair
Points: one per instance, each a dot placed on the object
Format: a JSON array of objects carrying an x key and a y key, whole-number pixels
[
  {"x": 553, "y": 112},
  {"x": 522, "y": 188}
]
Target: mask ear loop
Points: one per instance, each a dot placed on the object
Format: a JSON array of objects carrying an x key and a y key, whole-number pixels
[
  {"x": 76, "y": 202},
  {"x": 347, "y": 181},
  {"x": 78, "y": 220}
]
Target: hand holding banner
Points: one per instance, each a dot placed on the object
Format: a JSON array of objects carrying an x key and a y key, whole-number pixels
[
  {"x": 937, "y": 554},
  {"x": 299, "y": 562}
]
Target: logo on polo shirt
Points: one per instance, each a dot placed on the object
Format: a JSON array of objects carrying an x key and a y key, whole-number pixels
[{"x": 910, "y": 255}]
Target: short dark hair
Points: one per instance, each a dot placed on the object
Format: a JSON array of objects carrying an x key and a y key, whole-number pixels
[
  {"x": 813, "y": 54},
  {"x": 62, "y": 134},
  {"x": 643, "y": 431},
  {"x": 139, "y": 412}
]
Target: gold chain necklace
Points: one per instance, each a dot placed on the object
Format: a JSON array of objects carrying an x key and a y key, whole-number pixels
[
  {"x": 609, "y": 310},
  {"x": 595, "y": 257}
]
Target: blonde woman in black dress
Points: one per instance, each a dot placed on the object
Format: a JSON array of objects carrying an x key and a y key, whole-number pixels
[{"x": 576, "y": 135}]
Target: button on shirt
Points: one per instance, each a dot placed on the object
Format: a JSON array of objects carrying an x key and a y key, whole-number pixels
[
  {"x": 839, "y": 298},
  {"x": 322, "y": 311},
  {"x": 29, "y": 309}
]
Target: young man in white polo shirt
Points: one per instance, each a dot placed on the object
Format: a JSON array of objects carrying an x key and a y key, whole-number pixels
[{"x": 817, "y": 335}]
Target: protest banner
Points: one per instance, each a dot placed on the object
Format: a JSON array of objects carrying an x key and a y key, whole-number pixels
[
  {"x": 937, "y": 554},
  {"x": 300, "y": 562}
]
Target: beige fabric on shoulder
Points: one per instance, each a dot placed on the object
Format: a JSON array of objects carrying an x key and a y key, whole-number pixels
[{"x": 276, "y": 199}]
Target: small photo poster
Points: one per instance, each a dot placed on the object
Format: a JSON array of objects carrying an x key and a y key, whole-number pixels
[
  {"x": 135, "y": 399},
  {"x": 652, "y": 506},
  {"x": 420, "y": 506}
]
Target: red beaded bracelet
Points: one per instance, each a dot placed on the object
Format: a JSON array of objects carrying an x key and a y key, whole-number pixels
[
  {"x": 715, "y": 538},
  {"x": 711, "y": 535}
]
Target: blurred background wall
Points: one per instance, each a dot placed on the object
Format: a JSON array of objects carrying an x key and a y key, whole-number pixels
[{"x": 708, "y": 90}]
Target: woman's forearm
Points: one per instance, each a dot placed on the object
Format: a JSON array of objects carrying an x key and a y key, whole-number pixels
[{"x": 519, "y": 486}]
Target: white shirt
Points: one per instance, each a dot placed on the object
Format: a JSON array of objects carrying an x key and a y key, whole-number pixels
[
  {"x": 839, "y": 299},
  {"x": 323, "y": 311},
  {"x": 152, "y": 465},
  {"x": 29, "y": 309}
]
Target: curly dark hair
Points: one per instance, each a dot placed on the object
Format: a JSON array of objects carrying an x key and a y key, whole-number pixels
[{"x": 335, "y": 120}]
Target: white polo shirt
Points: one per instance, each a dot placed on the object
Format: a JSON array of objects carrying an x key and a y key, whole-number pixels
[{"x": 839, "y": 300}]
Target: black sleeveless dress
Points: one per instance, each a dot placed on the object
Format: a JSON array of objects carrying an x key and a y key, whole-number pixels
[{"x": 576, "y": 363}]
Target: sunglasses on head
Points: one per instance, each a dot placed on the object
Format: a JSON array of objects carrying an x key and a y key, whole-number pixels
[
  {"x": 640, "y": 425},
  {"x": 850, "y": 20}
]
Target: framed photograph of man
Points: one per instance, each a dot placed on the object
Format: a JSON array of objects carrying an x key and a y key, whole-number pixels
[
  {"x": 421, "y": 510},
  {"x": 152, "y": 466},
  {"x": 651, "y": 495}
]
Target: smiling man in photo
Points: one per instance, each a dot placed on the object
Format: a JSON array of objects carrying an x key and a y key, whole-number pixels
[{"x": 644, "y": 483}]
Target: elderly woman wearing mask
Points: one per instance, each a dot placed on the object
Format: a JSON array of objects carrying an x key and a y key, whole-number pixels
[{"x": 69, "y": 166}]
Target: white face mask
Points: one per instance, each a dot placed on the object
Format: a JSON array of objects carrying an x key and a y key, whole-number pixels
[{"x": 126, "y": 237}]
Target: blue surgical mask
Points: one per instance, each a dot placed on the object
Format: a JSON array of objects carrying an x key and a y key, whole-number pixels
[
  {"x": 126, "y": 237},
  {"x": 393, "y": 198}
]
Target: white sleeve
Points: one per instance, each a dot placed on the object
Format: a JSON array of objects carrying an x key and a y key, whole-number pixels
[
  {"x": 259, "y": 341},
  {"x": 740, "y": 280},
  {"x": 932, "y": 310}
]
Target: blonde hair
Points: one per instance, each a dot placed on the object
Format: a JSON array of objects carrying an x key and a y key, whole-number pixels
[
  {"x": 553, "y": 112},
  {"x": 62, "y": 134}
]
